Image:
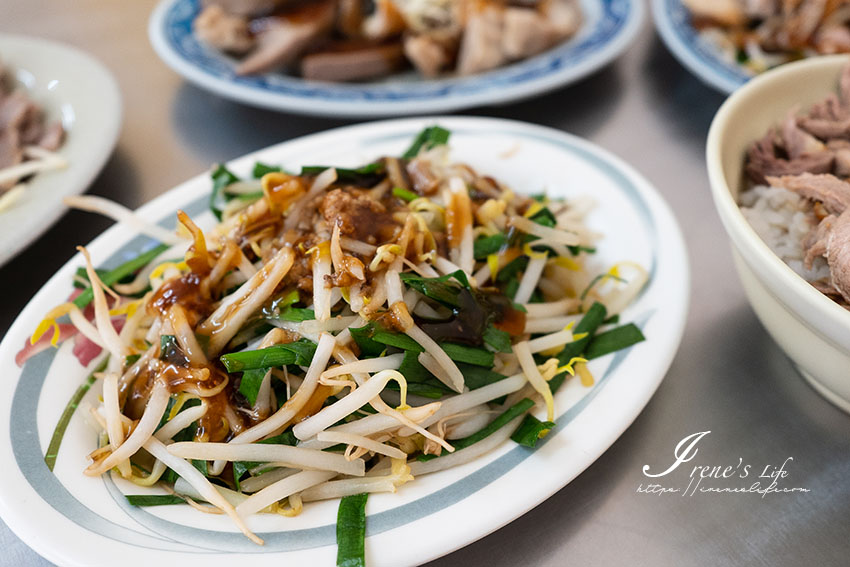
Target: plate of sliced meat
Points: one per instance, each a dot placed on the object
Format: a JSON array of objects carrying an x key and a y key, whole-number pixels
[
  {"x": 60, "y": 114},
  {"x": 356, "y": 58}
]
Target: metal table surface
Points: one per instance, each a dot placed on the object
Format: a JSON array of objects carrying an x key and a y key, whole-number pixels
[{"x": 728, "y": 377}]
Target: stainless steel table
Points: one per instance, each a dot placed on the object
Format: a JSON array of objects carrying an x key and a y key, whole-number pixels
[{"x": 728, "y": 377}]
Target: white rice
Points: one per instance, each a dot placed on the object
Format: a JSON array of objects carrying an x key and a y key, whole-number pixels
[{"x": 783, "y": 219}]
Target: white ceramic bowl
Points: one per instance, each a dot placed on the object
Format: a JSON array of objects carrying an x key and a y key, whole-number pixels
[{"x": 812, "y": 330}]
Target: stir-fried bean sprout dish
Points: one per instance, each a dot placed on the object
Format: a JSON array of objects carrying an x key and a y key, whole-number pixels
[{"x": 339, "y": 332}]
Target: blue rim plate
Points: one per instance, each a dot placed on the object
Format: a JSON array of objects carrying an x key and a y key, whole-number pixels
[
  {"x": 76, "y": 520},
  {"x": 673, "y": 22},
  {"x": 610, "y": 26}
]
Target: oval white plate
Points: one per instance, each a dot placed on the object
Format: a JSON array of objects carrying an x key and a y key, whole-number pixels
[
  {"x": 673, "y": 22},
  {"x": 72, "y": 87},
  {"x": 609, "y": 27},
  {"x": 74, "y": 519}
]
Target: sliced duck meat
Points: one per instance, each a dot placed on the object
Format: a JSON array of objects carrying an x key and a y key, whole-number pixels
[
  {"x": 825, "y": 286},
  {"x": 249, "y": 8},
  {"x": 723, "y": 12},
  {"x": 421, "y": 175},
  {"x": 826, "y": 188},
  {"x": 825, "y": 128},
  {"x": 346, "y": 63},
  {"x": 803, "y": 23},
  {"x": 32, "y": 128},
  {"x": 762, "y": 162},
  {"x": 283, "y": 38},
  {"x": 563, "y": 17},
  {"x": 797, "y": 141},
  {"x": 833, "y": 39},
  {"x": 844, "y": 87},
  {"x": 838, "y": 255},
  {"x": 760, "y": 9},
  {"x": 52, "y": 137},
  {"x": 385, "y": 22},
  {"x": 5, "y": 80},
  {"x": 841, "y": 167},
  {"x": 431, "y": 53},
  {"x": 481, "y": 46},
  {"x": 814, "y": 245},
  {"x": 223, "y": 31},
  {"x": 349, "y": 18},
  {"x": 526, "y": 33},
  {"x": 15, "y": 110},
  {"x": 829, "y": 109},
  {"x": 10, "y": 148}
]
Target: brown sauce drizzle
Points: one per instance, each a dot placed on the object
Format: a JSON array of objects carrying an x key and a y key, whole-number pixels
[
  {"x": 184, "y": 291},
  {"x": 213, "y": 426}
]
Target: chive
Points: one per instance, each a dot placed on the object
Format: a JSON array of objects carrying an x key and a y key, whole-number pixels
[
  {"x": 300, "y": 352},
  {"x": 576, "y": 250},
  {"x": 612, "y": 320},
  {"x": 351, "y": 531},
  {"x": 440, "y": 289},
  {"x": 404, "y": 194},
  {"x": 498, "y": 339},
  {"x": 117, "y": 274},
  {"x": 588, "y": 324},
  {"x": 512, "y": 269},
  {"x": 249, "y": 386},
  {"x": 65, "y": 418},
  {"x": 396, "y": 340},
  {"x": 241, "y": 467},
  {"x": 419, "y": 380},
  {"x": 468, "y": 354},
  {"x": 297, "y": 314},
  {"x": 153, "y": 499},
  {"x": 512, "y": 287},
  {"x": 558, "y": 381},
  {"x": 273, "y": 310},
  {"x": 253, "y": 196},
  {"x": 528, "y": 432},
  {"x": 167, "y": 346},
  {"x": 544, "y": 217},
  {"x": 613, "y": 340},
  {"x": 486, "y": 245},
  {"x": 475, "y": 377},
  {"x": 412, "y": 369},
  {"x": 427, "y": 139},
  {"x": 367, "y": 345},
  {"x": 261, "y": 169},
  {"x": 431, "y": 388},
  {"x": 201, "y": 466},
  {"x": 221, "y": 178},
  {"x": 171, "y": 401},
  {"x": 131, "y": 359},
  {"x": 81, "y": 277},
  {"x": 370, "y": 171},
  {"x": 506, "y": 417},
  {"x": 458, "y": 353}
]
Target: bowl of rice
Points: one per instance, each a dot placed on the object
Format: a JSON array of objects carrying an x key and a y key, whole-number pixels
[{"x": 772, "y": 224}]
